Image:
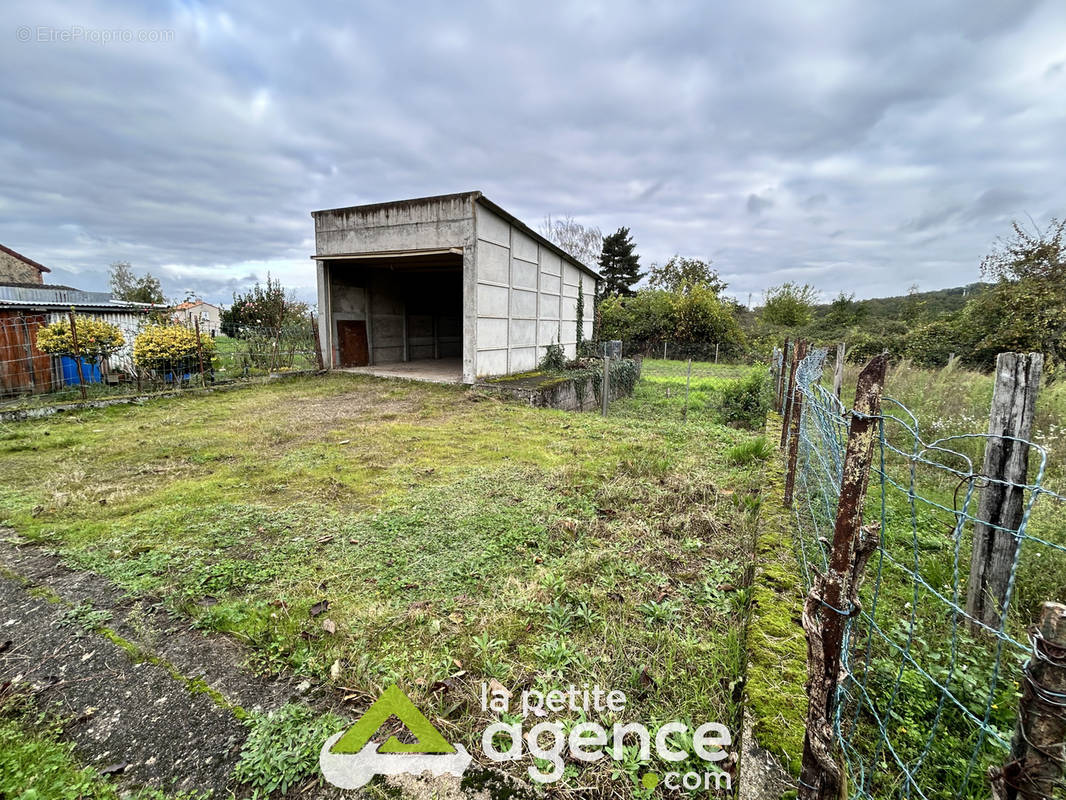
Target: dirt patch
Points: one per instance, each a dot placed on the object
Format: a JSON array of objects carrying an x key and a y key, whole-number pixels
[{"x": 374, "y": 400}]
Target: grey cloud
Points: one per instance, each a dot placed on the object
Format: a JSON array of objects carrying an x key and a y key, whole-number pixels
[{"x": 915, "y": 130}]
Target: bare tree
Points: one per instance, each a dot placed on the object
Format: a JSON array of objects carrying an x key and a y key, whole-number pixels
[{"x": 585, "y": 243}]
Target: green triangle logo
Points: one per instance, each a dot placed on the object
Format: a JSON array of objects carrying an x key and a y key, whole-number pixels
[{"x": 393, "y": 703}]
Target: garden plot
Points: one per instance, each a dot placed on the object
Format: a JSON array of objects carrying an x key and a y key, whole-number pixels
[{"x": 358, "y": 532}]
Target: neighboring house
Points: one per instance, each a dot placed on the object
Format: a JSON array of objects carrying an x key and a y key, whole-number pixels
[
  {"x": 16, "y": 268},
  {"x": 25, "y": 307},
  {"x": 189, "y": 312},
  {"x": 454, "y": 279}
]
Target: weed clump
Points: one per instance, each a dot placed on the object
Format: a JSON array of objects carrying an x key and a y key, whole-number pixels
[
  {"x": 744, "y": 402},
  {"x": 282, "y": 748},
  {"x": 750, "y": 452}
]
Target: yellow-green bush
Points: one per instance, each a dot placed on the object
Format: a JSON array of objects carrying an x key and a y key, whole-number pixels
[
  {"x": 170, "y": 347},
  {"x": 96, "y": 339}
]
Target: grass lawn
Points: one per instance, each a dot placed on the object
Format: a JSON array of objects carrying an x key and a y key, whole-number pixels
[{"x": 456, "y": 538}]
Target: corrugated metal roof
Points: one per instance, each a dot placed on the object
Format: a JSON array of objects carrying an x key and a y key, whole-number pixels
[{"x": 23, "y": 296}]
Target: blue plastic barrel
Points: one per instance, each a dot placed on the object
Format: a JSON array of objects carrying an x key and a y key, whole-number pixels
[{"x": 70, "y": 371}]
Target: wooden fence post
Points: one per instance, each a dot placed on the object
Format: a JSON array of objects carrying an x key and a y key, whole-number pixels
[
  {"x": 77, "y": 352},
  {"x": 199, "y": 351},
  {"x": 1002, "y": 499},
  {"x": 838, "y": 370},
  {"x": 786, "y": 398},
  {"x": 779, "y": 398},
  {"x": 833, "y": 598},
  {"x": 792, "y": 425}
]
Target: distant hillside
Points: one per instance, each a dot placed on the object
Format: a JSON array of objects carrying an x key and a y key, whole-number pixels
[{"x": 930, "y": 304}]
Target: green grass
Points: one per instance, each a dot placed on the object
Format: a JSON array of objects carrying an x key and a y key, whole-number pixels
[
  {"x": 585, "y": 549},
  {"x": 661, "y": 390}
]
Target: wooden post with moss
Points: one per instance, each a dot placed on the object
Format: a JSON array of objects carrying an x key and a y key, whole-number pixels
[
  {"x": 833, "y": 598},
  {"x": 1002, "y": 504},
  {"x": 786, "y": 397},
  {"x": 1038, "y": 749},
  {"x": 77, "y": 352},
  {"x": 792, "y": 426}
]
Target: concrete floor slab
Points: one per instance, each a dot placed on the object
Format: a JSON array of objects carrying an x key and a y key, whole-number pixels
[{"x": 431, "y": 370}]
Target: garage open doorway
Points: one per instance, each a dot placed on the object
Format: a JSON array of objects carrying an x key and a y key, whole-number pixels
[{"x": 398, "y": 316}]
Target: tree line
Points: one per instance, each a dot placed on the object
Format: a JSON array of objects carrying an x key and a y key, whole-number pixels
[{"x": 1018, "y": 305}]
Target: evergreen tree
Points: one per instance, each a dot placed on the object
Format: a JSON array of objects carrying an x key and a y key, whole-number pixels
[{"x": 619, "y": 265}]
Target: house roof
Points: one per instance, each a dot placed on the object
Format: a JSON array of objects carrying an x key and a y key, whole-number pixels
[
  {"x": 192, "y": 304},
  {"x": 473, "y": 197},
  {"x": 28, "y": 296},
  {"x": 20, "y": 257}
]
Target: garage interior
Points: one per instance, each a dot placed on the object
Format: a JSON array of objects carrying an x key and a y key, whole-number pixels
[{"x": 398, "y": 315}]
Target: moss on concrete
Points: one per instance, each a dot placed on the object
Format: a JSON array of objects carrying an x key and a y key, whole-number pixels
[{"x": 777, "y": 649}]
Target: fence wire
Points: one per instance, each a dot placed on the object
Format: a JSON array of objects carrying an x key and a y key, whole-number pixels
[
  {"x": 925, "y": 705},
  {"x": 30, "y": 377}
]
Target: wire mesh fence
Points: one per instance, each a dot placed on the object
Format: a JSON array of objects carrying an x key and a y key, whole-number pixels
[
  {"x": 927, "y": 702},
  {"x": 31, "y": 376}
]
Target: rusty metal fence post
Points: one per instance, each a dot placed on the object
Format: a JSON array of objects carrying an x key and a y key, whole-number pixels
[
  {"x": 833, "y": 598},
  {"x": 1038, "y": 749}
]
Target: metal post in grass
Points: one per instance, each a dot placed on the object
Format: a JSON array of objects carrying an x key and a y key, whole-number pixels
[
  {"x": 786, "y": 397},
  {"x": 716, "y": 352},
  {"x": 792, "y": 426},
  {"x": 318, "y": 344},
  {"x": 833, "y": 597},
  {"x": 1002, "y": 504},
  {"x": 77, "y": 352},
  {"x": 688, "y": 382},
  {"x": 1038, "y": 752},
  {"x": 199, "y": 350},
  {"x": 838, "y": 370},
  {"x": 605, "y": 388},
  {"x": 664, "y": 351}
]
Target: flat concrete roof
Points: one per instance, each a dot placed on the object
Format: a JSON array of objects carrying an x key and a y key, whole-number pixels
[{"x": 473, "y": 196}]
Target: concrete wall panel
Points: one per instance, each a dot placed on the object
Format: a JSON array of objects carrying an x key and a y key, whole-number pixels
[
  {"x": 491, "y": 301},
  {"x": 491, "y": 362},
  {"x": 523, "y": 333},
  {"x": 523, "y": 359},
  {"x": 523, "y": 246},
  {"x": 493, "y": 263},
  {"x": 523, "y": 274},
  {"x": 491, "y": 333},
  {"x": 523, "y": 304}
]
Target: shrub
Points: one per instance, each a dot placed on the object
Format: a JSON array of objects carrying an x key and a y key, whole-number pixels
[
  {"x": 554, "y": 358},
  {"x": 744, "y": 402},
  {"x": 97, "y": 340},
  {"x": 171, "y": 348}
]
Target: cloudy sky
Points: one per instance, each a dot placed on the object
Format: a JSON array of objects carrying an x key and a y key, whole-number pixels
[{"x": 856, "y": 146}]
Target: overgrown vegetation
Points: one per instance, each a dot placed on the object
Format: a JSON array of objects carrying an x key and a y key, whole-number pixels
[
  {"x": 281, "y": 751},
  {"x": 416, "y": 519}
]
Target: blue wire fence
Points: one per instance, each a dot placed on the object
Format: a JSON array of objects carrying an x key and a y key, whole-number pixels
[{"x": 925, "y": 706}]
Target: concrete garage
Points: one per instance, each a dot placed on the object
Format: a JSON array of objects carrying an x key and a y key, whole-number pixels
[{"x": 443, "y": 288}]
